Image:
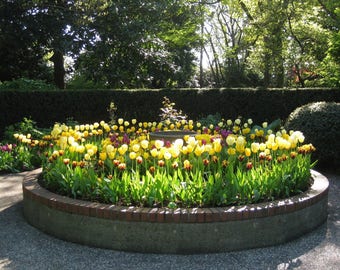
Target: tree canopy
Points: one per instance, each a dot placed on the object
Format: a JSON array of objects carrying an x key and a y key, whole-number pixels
[{"x": 171, "y": 43}]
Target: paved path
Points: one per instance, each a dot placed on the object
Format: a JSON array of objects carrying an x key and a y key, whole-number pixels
[{"x": 24, "y": 247}]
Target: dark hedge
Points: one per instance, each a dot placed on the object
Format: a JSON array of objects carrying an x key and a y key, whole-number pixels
[{"x": 87, "y": 106}]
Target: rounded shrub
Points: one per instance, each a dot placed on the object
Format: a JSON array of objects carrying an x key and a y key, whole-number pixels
[{"x": 320, "y": 124}]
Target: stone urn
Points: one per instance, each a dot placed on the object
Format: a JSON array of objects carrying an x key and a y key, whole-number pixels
[{"x": 171, "y": 135}]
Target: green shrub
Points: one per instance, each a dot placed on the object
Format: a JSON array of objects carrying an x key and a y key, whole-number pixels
[
  {"x": 26, "y": 84},
  {"x": 213, "y": 119},
  {"x": 26, "y": 126},
  {"x": 320, "y": 123}
]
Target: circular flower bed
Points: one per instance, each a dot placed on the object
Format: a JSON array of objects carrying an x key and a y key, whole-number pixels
[
  {"x": 232, "y": 163},
  {"x": 180, "y": 230}
]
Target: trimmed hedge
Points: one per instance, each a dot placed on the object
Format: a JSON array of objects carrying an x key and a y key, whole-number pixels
[
  {"x": 86, "y": 106},
  {"x": 320, "y": 124}
]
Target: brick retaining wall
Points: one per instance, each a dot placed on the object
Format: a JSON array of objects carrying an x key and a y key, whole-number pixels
[{"x": 303, "y": 213}]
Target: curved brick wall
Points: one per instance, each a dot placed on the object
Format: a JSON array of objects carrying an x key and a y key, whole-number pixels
[{"x": 163, "y": 230}]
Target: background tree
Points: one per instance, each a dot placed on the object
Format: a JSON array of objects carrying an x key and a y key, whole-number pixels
[
  {"x": 20, "y": 52},
  {"x": 141, "y": 44},
  {"x": 284, "y": 42},
  {"x": 30, "y": 30},
  {"x": 154, "y": 44}
]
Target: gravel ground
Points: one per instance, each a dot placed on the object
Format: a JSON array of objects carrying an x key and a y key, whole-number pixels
[{"x": 24, "y": 247}]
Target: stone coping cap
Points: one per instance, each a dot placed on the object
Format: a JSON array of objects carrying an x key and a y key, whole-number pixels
[{"x": 33, "y": 191}]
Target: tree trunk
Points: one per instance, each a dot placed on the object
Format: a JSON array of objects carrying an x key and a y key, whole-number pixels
[{"x": 59, "y": 70}]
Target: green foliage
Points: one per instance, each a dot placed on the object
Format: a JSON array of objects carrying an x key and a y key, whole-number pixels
[
  {"x": 330, "y": 68},
  {"x": 26, "y": 126},
  {"x": 18, "y": 157},
  {"x": 271, "y": 43},
  {"x": 20, "y": 149},
  {"x": 320, "y": 124},
  {"x": 20, "y": 52},
  {"x": 154, "y": 44},
  {"x": 25, "y": 84},
  {"x": 213, "y": 119},
  {"x": 150, "y": 51},
  {"x": 80, "y": 82}
]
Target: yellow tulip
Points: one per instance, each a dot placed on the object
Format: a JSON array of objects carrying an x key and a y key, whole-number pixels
[
  {"x": 178, "y": 143},
  {"x": 159, "y": 144},
  {"x": 109, "y": 148},
  {"x": 187, "y": 165},
  {"x": 112, "y": 155},
  {"x": 199, "y": 150},
  {"x": 174, "y": 152},
  {"x": 262, "y": 146},
  {"x": 255, "y": 147},
  {"x": 240, "y": 141},
  {"x": 185, "y": 150},
  {"x": 122, "y": 149},
  {"x": 274, "y": 146},
  {"x": 167, "y": 155},
  {"x": 144, "y": 144},
  {"x": 245, "y": 131},
  {"x": 190, "y": 140},
  {"x": 209, "y": 149},
  {"x": 102, "y": 156},
  {"x": 160, "y": 154},
  {"x": 190, "y": 148},
  {"x": 240, "y": 148},
  {"x": 259, "y": 133},
  {"x": 63, "y": 142},
  {"x": 106, "y": 127},
  {"x": 80, "y": 149},
  {"x": 230, "y": 140},
  {"x": 56, "y": 130},
  {"x": 231, "y": 151},
  {"x": 247, "y": 152},
  {"x": 90, "y": 152},
  {"x": 154, "y": 152},
  {"x": 136, "y": 147},
  {"x": 217, "y": 146},
  {"x": 132, "y": 155}
]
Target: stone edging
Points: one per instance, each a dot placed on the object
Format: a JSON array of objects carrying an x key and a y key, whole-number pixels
[{"x": 163, "y": 230}]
